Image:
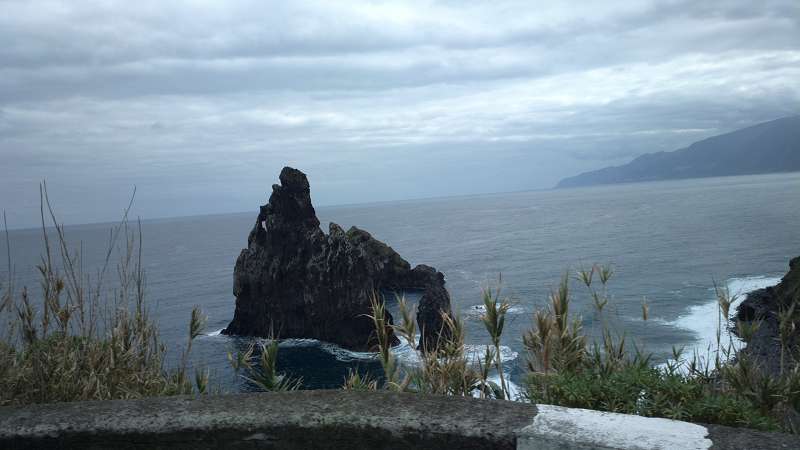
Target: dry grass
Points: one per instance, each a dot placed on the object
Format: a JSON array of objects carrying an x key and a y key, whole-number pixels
[
  {"x": 446, "y": 370},
  {"x": 81, "y": 340}
]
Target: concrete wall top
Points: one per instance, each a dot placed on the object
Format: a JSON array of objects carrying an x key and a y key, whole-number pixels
[{"x": 363, "y": 420}]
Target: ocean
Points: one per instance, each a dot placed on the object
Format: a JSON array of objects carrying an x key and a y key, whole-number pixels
[{"x": 668, "y": 242}]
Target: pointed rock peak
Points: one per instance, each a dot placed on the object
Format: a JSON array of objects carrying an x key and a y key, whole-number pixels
[
  {"x": 291, "y": 200},
  {"x": 294, "y": 180}
]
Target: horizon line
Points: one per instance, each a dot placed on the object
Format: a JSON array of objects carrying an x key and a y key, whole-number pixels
[{"x": 337, "y": 205}]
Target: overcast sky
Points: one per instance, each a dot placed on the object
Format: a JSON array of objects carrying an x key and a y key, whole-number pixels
[{"x": 200, "y": 103}]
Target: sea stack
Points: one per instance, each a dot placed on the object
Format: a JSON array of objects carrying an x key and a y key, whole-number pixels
[{"x": 295, "y": 281}]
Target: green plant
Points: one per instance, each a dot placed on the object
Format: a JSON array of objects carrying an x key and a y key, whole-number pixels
[
  {"x": 356, "y": 381},
  {"x": 383, "y": 331},
  {"x": 786, "y": 330},
  {"x": 746, "y": 330},
  {"x": 265, "y": 374},
  {"x": 447, "y": 369},
  {"x": 494, "y": 320},
  {"x": 556, "y": 342}
]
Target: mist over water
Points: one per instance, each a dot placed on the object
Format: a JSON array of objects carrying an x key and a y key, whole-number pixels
[{"x": 667, "y": 241}]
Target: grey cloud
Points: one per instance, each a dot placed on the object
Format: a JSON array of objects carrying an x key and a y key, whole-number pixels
[{"x": 199, "y": 106}]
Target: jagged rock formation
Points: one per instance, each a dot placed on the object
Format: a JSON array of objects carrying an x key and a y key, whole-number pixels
[
  {"x": 294, "y": 281},
  {"x": 765, "y": 305}
]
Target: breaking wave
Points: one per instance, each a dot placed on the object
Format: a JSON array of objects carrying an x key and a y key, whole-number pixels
[{"x": 702, "y": 319}]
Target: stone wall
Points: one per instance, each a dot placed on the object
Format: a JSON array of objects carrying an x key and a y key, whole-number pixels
[{"x": 363, "y": 420}]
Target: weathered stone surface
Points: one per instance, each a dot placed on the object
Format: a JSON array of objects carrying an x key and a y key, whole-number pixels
[
  {"x": 288, "y": 420},
  {"x": 294, "y": 281},
  {"x": 765, "y": 305},
  {"x": 360, "y": 420}
]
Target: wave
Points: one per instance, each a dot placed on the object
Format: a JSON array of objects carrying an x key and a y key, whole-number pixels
[
  {"x": 340, "y": 353},
  {"x": 345, "y": 355},
  {"x": 409, "y": 356},
  {"x": 403, "y": 352},
  {"x": 701, "y": 319}
]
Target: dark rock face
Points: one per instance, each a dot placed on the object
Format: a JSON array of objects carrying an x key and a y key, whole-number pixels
[
  {"x": 294, "y": 281},
  {"x": 435, "y": 301},
  {"x": 765, "y": 305}
]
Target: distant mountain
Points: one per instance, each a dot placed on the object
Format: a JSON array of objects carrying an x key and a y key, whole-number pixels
[{"x": 764, "y": 148}]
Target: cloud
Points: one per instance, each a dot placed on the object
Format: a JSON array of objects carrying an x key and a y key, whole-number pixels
[{"x": 200, "y": 99}]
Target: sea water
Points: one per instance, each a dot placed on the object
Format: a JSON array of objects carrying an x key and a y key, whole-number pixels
[{"x": 669, "y": 243}]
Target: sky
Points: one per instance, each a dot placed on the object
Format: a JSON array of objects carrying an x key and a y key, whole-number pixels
[{"x": 199, "y": 104}]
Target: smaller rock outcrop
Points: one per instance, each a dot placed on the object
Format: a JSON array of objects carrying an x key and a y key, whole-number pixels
[
  {"x": 294, "y": 281},
  {"x": 765, "y": 305},
  {"x": 435, "y": 300}
]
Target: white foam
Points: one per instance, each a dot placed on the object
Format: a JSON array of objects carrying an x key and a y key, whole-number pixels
[
  {"x": 704, "y": 320},
  {"x": 290, "y": 343},
  {"x": 345, "y": 355},
  {"x": 341, "y": 354},
  {"x": 479, "y": 310},
  {"x": 474, "y": 352},
  {"x": 514, "y": 391}
]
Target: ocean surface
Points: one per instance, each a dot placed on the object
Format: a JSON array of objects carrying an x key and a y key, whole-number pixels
[{"x": 668, "y": 242}]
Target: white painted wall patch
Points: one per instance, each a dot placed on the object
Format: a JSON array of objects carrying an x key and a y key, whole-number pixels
[{"x": 556, "y": 427}]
